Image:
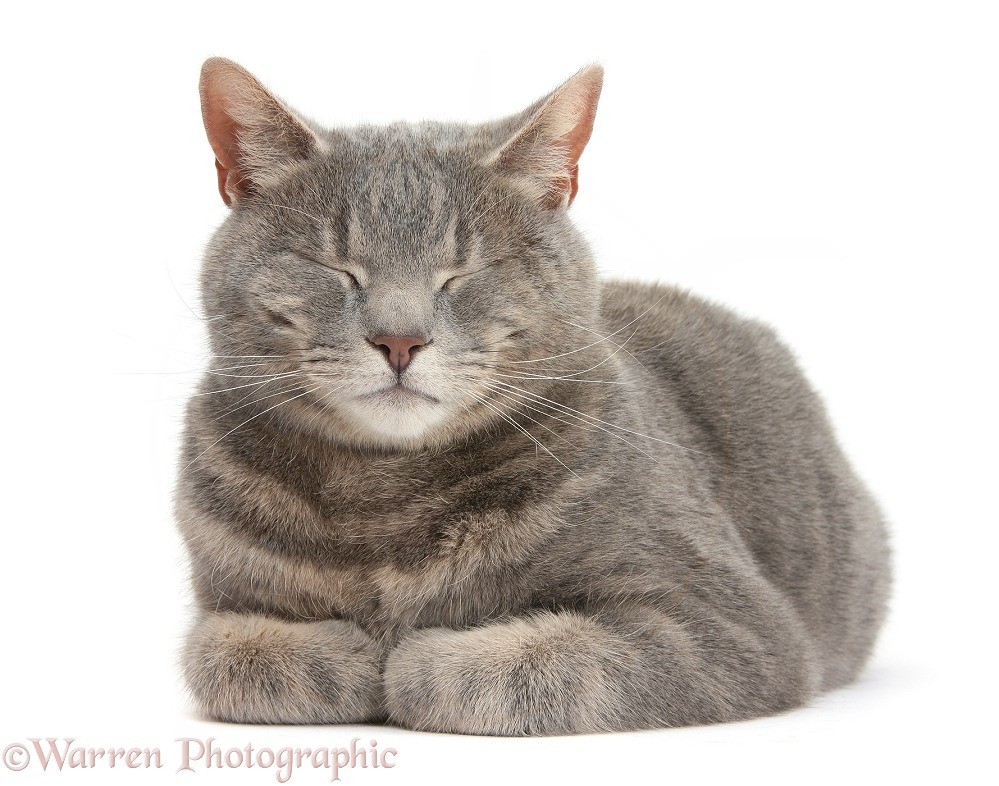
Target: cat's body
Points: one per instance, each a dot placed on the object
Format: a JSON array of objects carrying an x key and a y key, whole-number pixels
[{"x": 630, "y": 513}]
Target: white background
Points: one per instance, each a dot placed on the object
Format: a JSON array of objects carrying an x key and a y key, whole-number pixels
[{"x": 832, "y": 170}]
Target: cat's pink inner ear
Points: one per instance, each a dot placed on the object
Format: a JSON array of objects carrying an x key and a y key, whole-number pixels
[
  {"x": 592, "y": 82},
  {"x": 547, "y": 149},
  {"x": 223, "y": 175},
  {"x": 252, "y": 134},
  {"x": 217, "y": 75},
  {"x": 222, "y": 136}
]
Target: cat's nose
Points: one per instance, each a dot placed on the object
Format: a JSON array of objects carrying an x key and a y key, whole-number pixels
[{"x": 398, "y": 350}]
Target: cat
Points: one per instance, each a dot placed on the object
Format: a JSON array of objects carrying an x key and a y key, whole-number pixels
[{"x": 441, "y": 476}]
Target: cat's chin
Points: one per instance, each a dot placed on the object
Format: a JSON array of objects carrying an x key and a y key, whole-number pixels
[{"x": 397, "y": 415}]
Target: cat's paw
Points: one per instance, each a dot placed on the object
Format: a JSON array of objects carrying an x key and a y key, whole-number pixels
[
  {"x": 251, "y": 669},
  {"x": 546, "y": 674}
]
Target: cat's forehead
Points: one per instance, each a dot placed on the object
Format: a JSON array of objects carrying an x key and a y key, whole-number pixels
[
  {"x": 400, "y": 190},
  {"x": 412, "y": 164},
  {"x": 378, "y": 235}
]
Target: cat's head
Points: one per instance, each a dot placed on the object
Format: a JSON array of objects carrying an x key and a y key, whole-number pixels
[{"x": 400, "y": 281}]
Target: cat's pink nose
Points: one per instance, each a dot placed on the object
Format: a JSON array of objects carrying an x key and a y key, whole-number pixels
[{"x": 398, "y": 350}]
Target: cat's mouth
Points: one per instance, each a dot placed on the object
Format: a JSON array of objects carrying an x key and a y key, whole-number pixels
[{"x": 399, "y": 393}]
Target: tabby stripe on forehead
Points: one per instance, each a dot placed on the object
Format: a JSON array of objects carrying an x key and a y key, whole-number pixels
[
  {"x": 341, "y": 231},
  {"x": 462, "y": 240}
]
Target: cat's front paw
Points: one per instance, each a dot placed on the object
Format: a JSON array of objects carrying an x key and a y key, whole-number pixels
[
  {"x": 528, "y": 676},
  {"x": 247, "y": 668}
]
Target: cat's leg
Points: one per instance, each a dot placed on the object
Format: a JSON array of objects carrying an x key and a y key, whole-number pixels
[
  {"x": 568, "y": 672},
  {"x": 248, "y": 668}
]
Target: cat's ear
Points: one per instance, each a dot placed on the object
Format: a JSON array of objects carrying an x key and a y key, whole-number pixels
[
  {"x": 543, "y": 154},
  {"x": 255, "y": 137}
]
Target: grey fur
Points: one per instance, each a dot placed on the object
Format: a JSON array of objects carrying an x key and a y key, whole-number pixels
[{"x": 624, "y": 507}]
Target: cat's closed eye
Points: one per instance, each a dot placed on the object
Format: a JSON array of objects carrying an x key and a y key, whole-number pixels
[
  {"x": 459, "y": 279},
  {"x": 449, "y": 285},
  {"x": 277, "y": 318},
  {"x": 350, "y": 280},
  {"x": 349, "y": 277}
]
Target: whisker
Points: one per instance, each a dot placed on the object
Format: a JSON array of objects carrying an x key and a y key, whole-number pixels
[
  {"x": 588, "y": 330},
  {"x": 521, "y": 405},
  {"x": 516, "y": 425},
  {"x": 181, "y": 297},
  {"x": 295, "y": 210},
  {"x": 247, "y": 385},
  {"x": 596, "y": 333},
  {"x": 244, "y": 376},
  {"x": 561, "y": 379},
  {"x": 494, "y": 369},
  {"x": 271, "y": 357},
  {"x": 240, "y": 405},
  {"x": 595, "y": 426},
  {"x": 254, "y": 417},
  {"x": 604, "y": 422},
  {"x": 239, "y": 367},
  {"x": 567, "y": 376},
  {"x": 320, "y": 403}
]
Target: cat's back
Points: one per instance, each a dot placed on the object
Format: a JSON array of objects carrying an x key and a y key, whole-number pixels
[
  {"x": 775, "y": 465},
  {"x": 731, "y": 375}
]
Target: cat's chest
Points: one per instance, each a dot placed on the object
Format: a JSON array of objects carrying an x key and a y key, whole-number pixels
[{"x": 392, "y": 552}]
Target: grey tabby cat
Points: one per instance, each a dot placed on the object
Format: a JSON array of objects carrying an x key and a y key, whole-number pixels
[{"x": 439, "y": 475}]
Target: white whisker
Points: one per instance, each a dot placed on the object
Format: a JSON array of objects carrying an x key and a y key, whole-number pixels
[
  {"x": 602, "y": 339},
  {"x": 567, "y": 376},
  {"x": 594, "y": 426},
  {"x": 604, "y": 422},
  {"x": 254, "y": 417},
  {"x": 295, "y": 210},
  {"x": 247, "y": 385},
  {"x": 515, "y": 424},
  {"x": 240, "y": 405}
]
